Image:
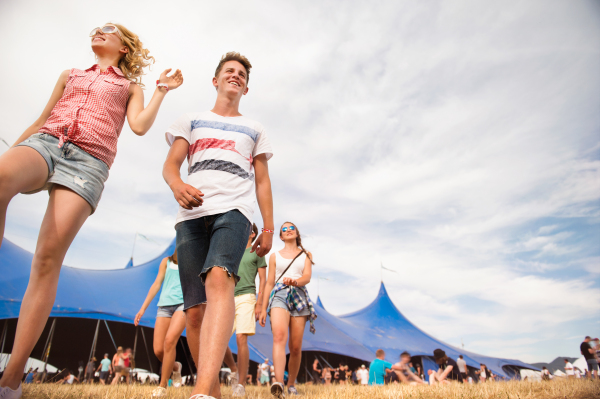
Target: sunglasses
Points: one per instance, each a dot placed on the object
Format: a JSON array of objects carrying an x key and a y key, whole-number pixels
[
  {"x": 291, "y": 228},
  {"x": 106, "y": 29}
]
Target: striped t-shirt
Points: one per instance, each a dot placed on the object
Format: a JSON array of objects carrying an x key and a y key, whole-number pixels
[{"x": 220, "y": 161}]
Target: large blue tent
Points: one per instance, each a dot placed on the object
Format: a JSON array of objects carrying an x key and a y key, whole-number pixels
[{"x": 116, "y": 295}]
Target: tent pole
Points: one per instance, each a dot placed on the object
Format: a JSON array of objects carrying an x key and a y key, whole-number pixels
[
  {"x": 4, "y": 341},
  {"x": 137, "y": 328},
  {"x": 146, "y": 346},
  {"x": 93, "y": 351},
  {"x": 187, "y": 358},
  {"x": 109, "y": 333},
  {"x": 133, "y": 249},
  {"x": 50, "y": 336}
]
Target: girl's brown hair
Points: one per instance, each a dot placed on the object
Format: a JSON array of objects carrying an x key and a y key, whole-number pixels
[
  {"x": 173, "y": 258},
  {"x": 298, "y": 240},
  {"x": 133, "y": 63}
]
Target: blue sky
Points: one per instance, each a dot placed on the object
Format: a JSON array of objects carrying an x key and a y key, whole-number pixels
[{"x": 456, "y": 142}]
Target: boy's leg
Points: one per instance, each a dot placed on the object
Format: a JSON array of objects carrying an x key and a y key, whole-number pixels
[
  {"x": 64, "y": 216},
  {"x": 22, "y": 169},
  {"x": 243, "y": 357}
]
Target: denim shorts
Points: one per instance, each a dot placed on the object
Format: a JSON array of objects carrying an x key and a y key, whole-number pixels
[
  {"x": 71, "y": 167},
  {"x": 279, "y": 301},
  {"x": 168, "y": 311},
  {"x": 592, "y": 364},
  {"x": 210, "y": 241}
]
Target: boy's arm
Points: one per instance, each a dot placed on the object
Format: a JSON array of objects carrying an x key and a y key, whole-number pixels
[
  {"x": 187, "y": 196},
  {"x": 262, "y": 282},
  {"x": 264, "y": 197}
]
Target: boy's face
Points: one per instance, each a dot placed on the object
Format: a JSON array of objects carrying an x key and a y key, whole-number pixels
[
  {"x": 405, "y": 359},
  {"x": 232, "y": 80}
]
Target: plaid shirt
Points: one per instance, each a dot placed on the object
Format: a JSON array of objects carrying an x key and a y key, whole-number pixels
[
  {"x": 295, "y": 301},
  {"x": 91, "y": 111}
]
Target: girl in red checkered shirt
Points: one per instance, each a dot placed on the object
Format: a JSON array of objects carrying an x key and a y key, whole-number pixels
[{"x": 68, "y": 151}]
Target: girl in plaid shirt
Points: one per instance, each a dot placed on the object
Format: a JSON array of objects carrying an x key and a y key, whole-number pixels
[{"x": 68, "y": 151}]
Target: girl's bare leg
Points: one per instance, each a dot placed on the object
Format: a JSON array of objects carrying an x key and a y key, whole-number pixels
[
  {"x": 22, "y": 169},
  {"x": 160, "y": 332},
  {"x": 297, "y": 325},
  {"x": 64, "y": 217},
  {"x": 170, "y": 346},
  {"x": 280, "y": 323}
]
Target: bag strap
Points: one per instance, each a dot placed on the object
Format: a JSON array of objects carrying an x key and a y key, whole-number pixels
[{"x": 286, "y": 269}]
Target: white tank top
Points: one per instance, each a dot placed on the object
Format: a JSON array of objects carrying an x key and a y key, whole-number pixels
[{"x": 294, "y": 272}]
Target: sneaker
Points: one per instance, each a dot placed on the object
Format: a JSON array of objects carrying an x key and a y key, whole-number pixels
[
  {"x": 239, "y": 391},
  {"x": 176, "y": 375},
  {"x": 292, "y": 391},
  {"x": 159, "y": 392},
  {"x": 7, "y": 393},
  {"x": 234, "y": 379},
  {"x": 277, "y": 390}
]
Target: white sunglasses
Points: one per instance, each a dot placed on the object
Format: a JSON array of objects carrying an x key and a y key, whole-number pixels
[{"x": 106, "y": 29}]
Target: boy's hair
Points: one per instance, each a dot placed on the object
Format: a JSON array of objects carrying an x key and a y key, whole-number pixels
[
  {"x": 405, "y": 354},
  {"x": 380, "y": 352},
  {"x": 255, "y": 231},
  {"x": 235, "y": 56},
  {"x": 460, "y": 356}
]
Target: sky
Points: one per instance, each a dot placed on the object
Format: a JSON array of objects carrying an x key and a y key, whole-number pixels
[{"x": 456, "y": 143}]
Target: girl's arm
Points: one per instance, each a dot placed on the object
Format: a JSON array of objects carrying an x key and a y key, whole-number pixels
[
  {"x": 154, "y": 288},
  {"x": 268, "y": 289},
  {"x": 141, "y": 119},
  {"x": 306, "y": 275},
  {"x": 445, "y": 373},
  {"x": 57, "y": 93}
]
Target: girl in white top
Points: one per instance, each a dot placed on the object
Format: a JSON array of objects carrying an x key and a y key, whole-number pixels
[{"x": 286, "y": 319}]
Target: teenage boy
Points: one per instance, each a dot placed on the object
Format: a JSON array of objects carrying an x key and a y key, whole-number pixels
[
  {"x": 379, "y": 368},
  {"x": 247, "y": 308},
  {"x": 227, "y": 157}
]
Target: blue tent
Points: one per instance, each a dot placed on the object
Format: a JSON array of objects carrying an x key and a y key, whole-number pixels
[{"x": 116, "y": 295}]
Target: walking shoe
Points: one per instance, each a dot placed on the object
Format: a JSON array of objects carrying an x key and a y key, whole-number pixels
[
  {"x": 239, "y": 391},
  {"x": 7, "y": 393},
  {"x": 277, "y": 390},
  {"x": 234, "y": 379},
  {"x": 292, "y": 391},
  {"x": 159, "y": 392},
  {"x": 176, "y": 376}
]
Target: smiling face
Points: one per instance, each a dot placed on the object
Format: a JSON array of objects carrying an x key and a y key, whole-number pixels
[
  {"x": 106, "y": 44},
  {"x": 232, "y": 80},
  {"x": 289, "y": 234}
]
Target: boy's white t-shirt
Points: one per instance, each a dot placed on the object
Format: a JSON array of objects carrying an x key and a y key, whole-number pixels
[
  {"x": 220, "y": 161},
  {"x": 569, "y": 368}
]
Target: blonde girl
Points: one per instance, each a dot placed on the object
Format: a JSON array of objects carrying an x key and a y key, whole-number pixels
[
  {"x": 68, "y": 151},
  {"x": 289, "y": 272}
]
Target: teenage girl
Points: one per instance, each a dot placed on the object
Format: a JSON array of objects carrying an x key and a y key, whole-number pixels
[
  {"x": 287, "y": 315},
  {"x": 68, "y": 151},
  {"x": 170, "y": 319}
]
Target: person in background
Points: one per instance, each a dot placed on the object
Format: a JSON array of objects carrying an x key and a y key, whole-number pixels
[
  {"x": 363, "y": 375},
  {"x": 327, "y": 375},
  {"x": 569, "y": 369},
  {"x": 264, "y": 372},
  {"x": 248, "y": 306},
  {"x": 336, "y": 376},
  {"x": 170, "y": 319},
  {"x": 590, "y": 357},
  {"x": 316, "y": 372},
  {"x": 343, "y": 373},
  {"x": 379, "y": 368},
  {"x": 30, "y": 375},
  {"x": 354, "y": 376},
  {"x": 404, "y": 372},
  {"x": 482, "y": 373},
  {"x": 89, "y": 370},
  {"x": 448, "y": 368},
  {"x": 105, "y": 368},
  {"x": 462, "y": 367},
  {"x": 69, "y": 379},
  {"x": 546, "y": 376}
]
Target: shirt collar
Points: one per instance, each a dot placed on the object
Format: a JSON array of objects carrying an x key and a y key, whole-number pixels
[{"x": 114, "y": 69}]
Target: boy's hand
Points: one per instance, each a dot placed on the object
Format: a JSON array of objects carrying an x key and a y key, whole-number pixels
[
  {"x": 263, "y": 319},
  {"x": 187, "y": 196},
  {"x": 174, "y": 81},
  {"x": 263, "y": 244},
  {"x": 257, "y": 311}
]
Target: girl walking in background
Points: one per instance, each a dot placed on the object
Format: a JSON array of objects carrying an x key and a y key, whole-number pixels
[
  {"x": 68, "y": 151},
  {"x": 170, "y": 320},
  {"x": 287, "y": 302}
]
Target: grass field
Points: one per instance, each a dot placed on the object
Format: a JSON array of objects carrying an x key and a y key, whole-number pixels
[{"x": 558, "y": 389}]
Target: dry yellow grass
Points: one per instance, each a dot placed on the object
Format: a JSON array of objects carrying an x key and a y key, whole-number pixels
[{"x": 558, "y": 389}]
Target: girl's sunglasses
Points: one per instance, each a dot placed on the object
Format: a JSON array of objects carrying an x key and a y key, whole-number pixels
[
  {"x": 291, "y": 228},
  {"x": 106, "y": 29}
]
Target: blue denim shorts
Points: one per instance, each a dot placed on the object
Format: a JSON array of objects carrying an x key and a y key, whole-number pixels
[
  {"x": 70, "y": 166},
  {"x": 210, "y": 241},
  {"x": 168, "y": 311},
  {"x": 279, "y": 301}
]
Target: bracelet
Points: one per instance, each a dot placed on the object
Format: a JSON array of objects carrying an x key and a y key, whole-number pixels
[
  {"x": 267, "y": 231},
  {"x": 164, "y": 85}
]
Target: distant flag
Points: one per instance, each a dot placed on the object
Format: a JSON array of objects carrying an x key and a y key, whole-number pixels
[
  {"x": 147, "y": 239},
  {"x": 385, "y": 268}
]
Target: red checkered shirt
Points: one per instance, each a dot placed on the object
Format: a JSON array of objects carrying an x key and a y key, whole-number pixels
[{"x": 91, "y": 111}]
